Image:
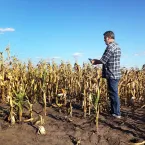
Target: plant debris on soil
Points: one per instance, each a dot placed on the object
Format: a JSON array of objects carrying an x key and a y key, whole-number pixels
[{"x": 61, "y": 129}]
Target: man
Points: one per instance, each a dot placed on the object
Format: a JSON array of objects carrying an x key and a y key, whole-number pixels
[
  {"x": 143, "y": 67},
  {"x": 111, "y": 70}
]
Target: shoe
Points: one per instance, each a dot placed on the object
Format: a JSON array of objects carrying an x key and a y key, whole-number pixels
[{"x": 116, "y": 116}]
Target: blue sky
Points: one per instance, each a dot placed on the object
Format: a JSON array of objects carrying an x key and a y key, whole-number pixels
[{"x": 62, "y": 29}]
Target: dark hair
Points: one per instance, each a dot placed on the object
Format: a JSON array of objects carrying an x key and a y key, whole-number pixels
[{"x": 109, "y": 34}]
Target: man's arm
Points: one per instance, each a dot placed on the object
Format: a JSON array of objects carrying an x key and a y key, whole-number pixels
[
  {"x": 96, "y": 61},
  {"x": 106, "y": 55}
]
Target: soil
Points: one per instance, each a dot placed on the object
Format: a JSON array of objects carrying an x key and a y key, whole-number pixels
[{"x": 61, "y": 129}]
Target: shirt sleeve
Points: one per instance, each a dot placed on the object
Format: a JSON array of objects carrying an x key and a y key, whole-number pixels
[{"x": 107, "y": 54}]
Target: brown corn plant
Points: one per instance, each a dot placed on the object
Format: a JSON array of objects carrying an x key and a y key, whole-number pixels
[{"x": 25, "y": 84}]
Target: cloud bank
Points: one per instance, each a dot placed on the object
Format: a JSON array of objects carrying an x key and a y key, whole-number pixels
[
  {"x": 77, "y": 54},
  {"x": 3, "y": 30},
  {"x": 140, "y": 54}
]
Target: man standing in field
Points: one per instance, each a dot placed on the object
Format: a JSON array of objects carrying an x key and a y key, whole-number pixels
[{"x": 111, "y": 70}]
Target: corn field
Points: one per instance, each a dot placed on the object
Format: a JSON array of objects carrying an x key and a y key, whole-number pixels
[{"x": 23, "y": 85}]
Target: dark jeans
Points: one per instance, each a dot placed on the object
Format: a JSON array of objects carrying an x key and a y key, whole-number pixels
[{"x": 113, "y": 95}]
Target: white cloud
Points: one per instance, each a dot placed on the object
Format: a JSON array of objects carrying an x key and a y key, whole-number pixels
[
  {"x": 56, "y": 57},
  {"x": 124, "y": 55},
  {"x": 77, "y": 54},
  {"x": 136, "y": 54},
  {"x": 2, "y": 30},
  {"x": 38, "y": 57},
  {"x": 140, "y": 54}
]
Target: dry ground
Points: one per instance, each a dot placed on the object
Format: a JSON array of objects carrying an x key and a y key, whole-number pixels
[{"x": 63, "y": 130}]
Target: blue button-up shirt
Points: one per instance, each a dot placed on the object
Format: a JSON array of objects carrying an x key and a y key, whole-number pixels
[{"x": 111, "y": 61}]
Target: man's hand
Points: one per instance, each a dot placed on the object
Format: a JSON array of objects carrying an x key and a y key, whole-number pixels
[
  {"x": 95, "y": 61},
  {"x": 92, "y": 61}
]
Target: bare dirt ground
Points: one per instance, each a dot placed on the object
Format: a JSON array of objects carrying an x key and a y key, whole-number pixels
[{"x": 63, "y": 130}]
